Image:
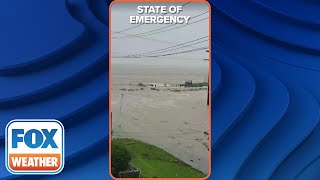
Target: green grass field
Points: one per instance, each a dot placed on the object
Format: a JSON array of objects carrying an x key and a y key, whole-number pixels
[{"x": 156, "y": 162}]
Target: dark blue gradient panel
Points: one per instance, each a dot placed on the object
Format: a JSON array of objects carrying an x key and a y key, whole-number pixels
[
  {"x": 265, "y": 84},
  {"x": 54, "y": 64},
  {"x": 265, "y": 108}
]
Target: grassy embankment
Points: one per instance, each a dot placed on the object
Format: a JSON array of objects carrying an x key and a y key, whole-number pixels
[{"x": 156, "y": 162}]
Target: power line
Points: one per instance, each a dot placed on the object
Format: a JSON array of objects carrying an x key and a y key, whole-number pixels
[
  {"x": 171, "y": 48},
  {"x": 186, "y": 4},
  {"x": 127, "y": 29},
  {"x": 147, "y": 33},
  {"x": 178, "y": 46},
  {"x": 169, "y": 25},
  {"x": 169, "y": 54},
  {"x": 177, "y": 27},
  {"x": 146, "y": 38},
  {"x": 139, "y": 24}
]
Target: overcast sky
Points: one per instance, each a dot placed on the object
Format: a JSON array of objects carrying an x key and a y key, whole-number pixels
[{"x": 128, "y": 46}]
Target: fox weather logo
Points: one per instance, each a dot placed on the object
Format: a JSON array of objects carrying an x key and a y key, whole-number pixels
[{"x": 34, "y": 146}]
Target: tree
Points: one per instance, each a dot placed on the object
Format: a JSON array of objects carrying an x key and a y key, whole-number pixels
[{"x": 120, "y": 158}]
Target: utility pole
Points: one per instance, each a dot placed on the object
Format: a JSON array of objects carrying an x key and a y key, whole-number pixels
[
  {"x": 208, "y": 99},
  {"x": 121, "y": 102}
]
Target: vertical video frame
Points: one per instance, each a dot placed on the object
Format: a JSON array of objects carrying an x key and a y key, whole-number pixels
[{"x": 159, "y": 89}]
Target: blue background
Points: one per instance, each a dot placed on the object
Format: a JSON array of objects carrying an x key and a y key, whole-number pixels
[
  {"x": 265, "y": 84},
  {"x": 265, "y": 110},
  {"x": 54, "y": 64}
]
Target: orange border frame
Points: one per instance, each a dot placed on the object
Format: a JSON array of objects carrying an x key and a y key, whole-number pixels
[{"x": 110, "y": 85}]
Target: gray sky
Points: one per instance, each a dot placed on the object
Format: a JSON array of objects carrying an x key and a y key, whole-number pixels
[{"x": 128, "y": 46}]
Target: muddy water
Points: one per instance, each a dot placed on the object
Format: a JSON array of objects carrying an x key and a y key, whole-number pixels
[{"x": 174, "y": 121}]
